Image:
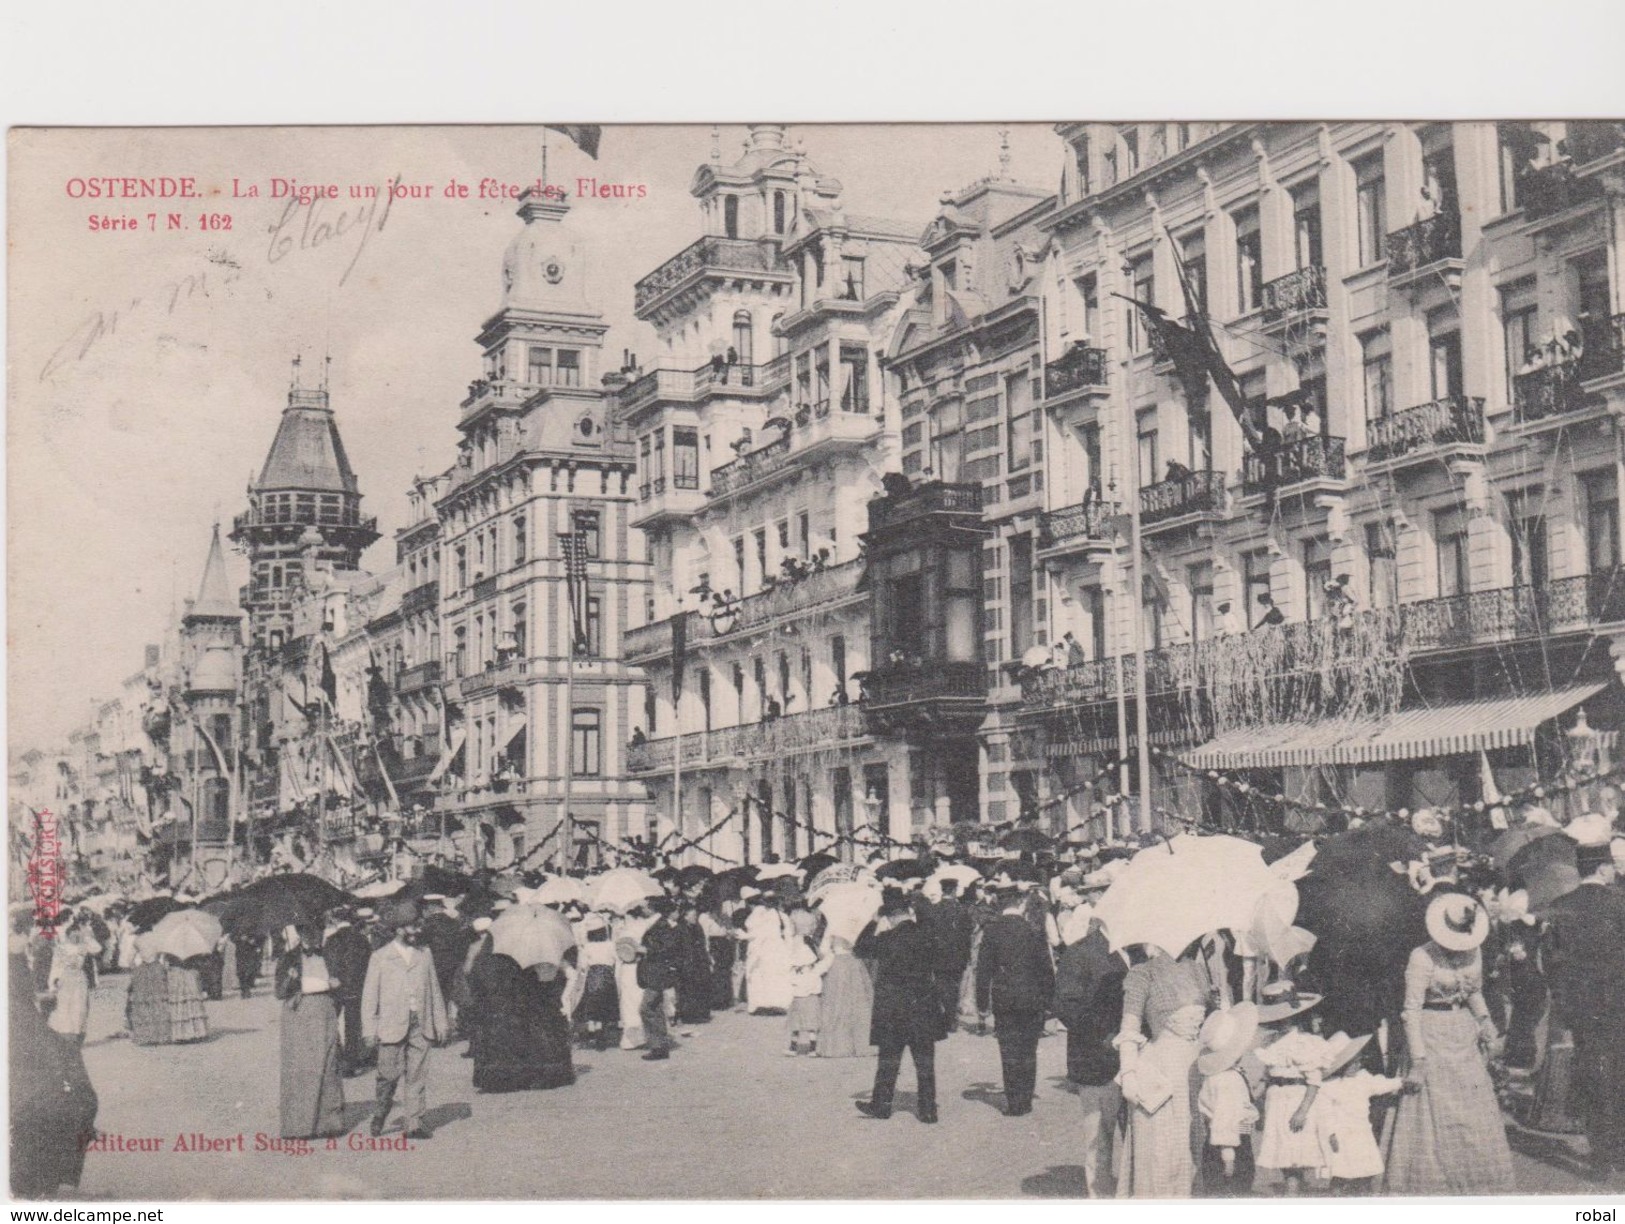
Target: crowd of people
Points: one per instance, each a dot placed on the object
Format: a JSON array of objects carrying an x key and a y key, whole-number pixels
[{"x": 1206, "y": 1069}]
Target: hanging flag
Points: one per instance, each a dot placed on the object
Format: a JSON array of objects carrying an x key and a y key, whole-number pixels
[
  {"x": 585, "y": 136},
  {"x": 679, "y": 654},
  {"x": 574, "y": 546},
  {"x": 330, "y": 681}
]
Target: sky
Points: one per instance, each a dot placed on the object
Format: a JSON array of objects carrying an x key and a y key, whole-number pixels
[{"x": 149, "y": 366}]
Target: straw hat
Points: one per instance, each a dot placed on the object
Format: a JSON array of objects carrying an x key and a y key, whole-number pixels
[
  {"x": 1226, "y": 1035},
  {"x": 1282, "y": 1001},
  {"x": 1457, "y": 922},
  {"x": 1347, "y": 1053},
  {"x": 626, "y": 950},
  {"x": 1592, "y": 833}
]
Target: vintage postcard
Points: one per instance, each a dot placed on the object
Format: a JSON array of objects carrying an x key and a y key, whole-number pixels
[{"x": 826, "y": 662}]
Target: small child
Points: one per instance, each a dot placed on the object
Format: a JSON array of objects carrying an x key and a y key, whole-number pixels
[
  {"x": 1226, "y": 1101},
  {"x": 599, "y": 1006},
  {"x": 1292, "y": 1060},
  {"x": 1353, "y": 1160},
  {"x": 807, "y": 969}
]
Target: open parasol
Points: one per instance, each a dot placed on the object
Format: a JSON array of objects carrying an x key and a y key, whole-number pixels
[
  {"x": 693, "y": 876},
  {"x": 184, "y": 934},
  {"x": 621, "y": 889},
  {"x": 1173, "y": 893},
  {"x": 1027, "y": 839},
  {"x": 380, "y": 888},
  {"x": 961, "y": 873},
  {"x": 1546, "y": 869},
  {"x": 903, "y": 869},
  {"x": 814, "y": 863},
  {"x": 277, "y": 901},
  {"x": 778, "y": 871},
  {"x": 144, "y": 915},
  {"x": 1506, "y": 847},
  {"x": 838, "y": 873},
  {"x": 560, "y": 890},
  {"x": 848, "y": 908},
  {"x": 532, "y": 935}
]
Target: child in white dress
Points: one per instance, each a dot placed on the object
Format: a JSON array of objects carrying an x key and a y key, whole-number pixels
[{"x": 1343, "y": 1112}]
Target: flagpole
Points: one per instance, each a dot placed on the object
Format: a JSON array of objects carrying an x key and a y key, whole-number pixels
[
  {"x": 1136, "y": 607},
  {"x": 562, "y": 828}
]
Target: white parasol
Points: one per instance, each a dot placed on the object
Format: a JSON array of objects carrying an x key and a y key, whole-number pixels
[{"x": 1173, "y": 893}]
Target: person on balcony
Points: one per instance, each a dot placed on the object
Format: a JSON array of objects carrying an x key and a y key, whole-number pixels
[
  {"x": 1074, "y": 651},
  {"x": 1274, "y": 616},
  {"x": 1176, "y": 471},
  {"x": 1294, "y": 430}
]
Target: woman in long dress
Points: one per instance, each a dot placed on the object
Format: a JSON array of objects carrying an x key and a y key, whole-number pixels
[
  {"x": 146, "y": 1009},
  {"x": 53, "y": 1105},
  {"x": 694, "y": 981},
  {"x": 767, "y": 960},
  {"x": 187, "y": 1019},
  {"x": 719, "y": 942},
  {"x": 525, "y": 1039},
  {"x": 312, "y": 1090},
  {"x": 849, "y": 1003},
  {"x": 1447, "y": 1136},
  {"x": 1167, "y": 999},
  {"x": 70, "y": 980},
  {"x": 628, "y": 933}
]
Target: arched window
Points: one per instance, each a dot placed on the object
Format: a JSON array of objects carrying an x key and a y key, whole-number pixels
[{"x": 742, "y": 337}]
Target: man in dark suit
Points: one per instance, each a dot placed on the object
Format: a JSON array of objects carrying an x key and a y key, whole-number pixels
[
  {"x": 908, "y": 1009},
  {"x": 657, "y": 973},
  {"x": 1015, "y": 980},
  {"x": 953, "y": 927},
  {"x": 1585, "y": 965},
  {"x": 347, "y": 952}
]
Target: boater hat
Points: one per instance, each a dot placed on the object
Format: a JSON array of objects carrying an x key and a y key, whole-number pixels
[
  {"x": 1226, "y": 1035},
  {"x": 1350, "y": 1050},
  {"x": 1282, "y": 1001},
  {"x": 1457, "y": 922}
]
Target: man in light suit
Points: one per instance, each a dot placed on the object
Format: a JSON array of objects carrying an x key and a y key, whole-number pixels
[{"x": 403, "y": 1011}]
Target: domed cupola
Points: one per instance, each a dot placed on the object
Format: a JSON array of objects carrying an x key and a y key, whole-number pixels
[{"x": 543, "y": 269}]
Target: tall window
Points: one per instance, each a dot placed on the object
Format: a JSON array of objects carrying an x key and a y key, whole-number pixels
[
  {"x": 657, "y": 464},
  {"x": 739, "y": 562},
  {"x": 1199, "y": 425},
  {"x": 1199, "y": 581},
  {"x": 1021, "y": 595},
  {"x": 568, "y": 373},
  {"x": 852, "y": 278},
  {"x": 730, "y": 216},
  {"x": 1090, "y": 294},
  {"x": 1602, "y": 521},
  {"x": 1095, "y": 475},
  {"x": 1444, "y": 354},
  {"x": 1306, "y": 227},
  {"x": 462, "y": 566},
  {"x": 1518, "y": 329},
  {"x": 821, "y": 377},
  {"x": 1145, "y": 424},
  {"x": 1255, "y": 581},
  {"x": 1145, "y": 289},
  {"x": 804, "y": 379},
  {"x": 521, "y": 631},
  {"x": 1371, "y": 209},
  {"x": 1024, "y": 443},
  {"x": 1152, "y": 608},
  {"x": 761, "y": 552},
  {"x": 1450, "y": 549},
  {"x": 779, "y": 212},
  {"x": 595, "y": 627},
  {"x": 705, "y": 695},
  {"x": 854, "y": 378},
  {"x": 1378, "y": 374},
  {"x": 520, "y": 544},
  {"x": 541, "y": 366},
  {"x": 586, "y": 742},
  {"x": 1531, "y": 558},
  {"x": 1097, "y": 622},
  {"x": 1317, "y": 572},
  {"x": 743, "y": 332},
  {"x": 589, "y": 524},
  {"x": 804, "y": 530},
  {"x": 837, "y": 661},
  {"x": 1193, "y": 263},
  {"x": 1382, "y": 565},
  {"x": 1249, "y": 261},
  {"x": 759, "y": 675},
  {"x": 685, "y": 457}
]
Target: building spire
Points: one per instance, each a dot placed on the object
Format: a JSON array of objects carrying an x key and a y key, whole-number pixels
[{"x": 214, "y": 600}]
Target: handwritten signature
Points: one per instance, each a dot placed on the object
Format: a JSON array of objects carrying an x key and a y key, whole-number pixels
[{"x": 321, "y": 224}]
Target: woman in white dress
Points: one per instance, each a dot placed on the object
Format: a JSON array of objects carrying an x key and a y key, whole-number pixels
[
  {"x": 629, "y": 933},
  {"x": 767, "y": 959}
]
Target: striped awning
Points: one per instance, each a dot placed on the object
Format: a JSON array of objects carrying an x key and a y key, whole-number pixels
[
  {"x": 1103, "y": 744},
  {"x": 1434, "y": 731}
]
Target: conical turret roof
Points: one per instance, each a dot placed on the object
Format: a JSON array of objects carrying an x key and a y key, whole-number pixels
[
  {"x": 308, "y": 453},
  {"x": 214, "y": 600}
]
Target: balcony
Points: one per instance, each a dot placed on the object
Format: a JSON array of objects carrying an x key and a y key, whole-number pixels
[
  {"x": 1550, "y": 393},
  {"x": 1454, "y": 425},
  {"x": 285, "y": 516},
  {"x": 707, "y": 255},
  {"x": 667, "y": 497},
  {"x": 418, "y": 678},
  {"x": 750, "y": 467},
  {"x": 1428, "y": 247},
  {"x": 1563, "y": 605},
  {"x": 1549, "y": 191},
  {"x": 420, "y": 599},
  {"x": 1084, "y": 530},
  {"x": 818, "y": 590},
  {"x": 1297, "y": 297},
  {"x": 689, "y": 386},
  {"x": 934, "y": 698},
  {"x": 415, "y": 771},
  {"x": 495, "y": 676},
  {"x": 771, "y": 739},
  {"x": 482, "y": 589},
  {"x": 1175, "y": 502},
  {"x": 1081, "y": 369},
  {"x": 1315, "y": 458},
  {"x": 818, "y": 429},
  {"x": 933, "y": 498},
  {"x": 654, "y": 640}
]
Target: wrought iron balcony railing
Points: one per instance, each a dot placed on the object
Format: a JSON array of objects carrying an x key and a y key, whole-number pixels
[
  {"x": 1551, "y": 391},
  {"x": 1275, "y": 467},
  {"x": 420, "y": 598},
  {"x": 1425, "y": 242},
  {"x": 934, "y": 498},
  {"x": 724, "y": 254},
  {"x": 416, "y": 679},
  {"x": 904, "y": 684},
  {"x": 1189, "y": 494},
  {"x": 1080, "y": 367},
  {"x": 1294, "y": 293},
  {"x": 1085, "y": 521},
  {"x": 1454, "y": 420},
  {"x": 483, "y": 588},
  {"x": 754, "y": 465},
  {"x": 1545, "y": 191},
  {"x": 1561, "y": 605}
]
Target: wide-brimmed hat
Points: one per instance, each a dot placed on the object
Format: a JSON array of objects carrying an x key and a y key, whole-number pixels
[
  {"x": 1592, "y": 833},
  {"x": 1457, "y": 922},
  {"x": 626, "y": 949},
  {"x": 1346, "y": 1053},
  {"x": 1226, "y": 1035},
  {"x": 1282, "y": 1001}
]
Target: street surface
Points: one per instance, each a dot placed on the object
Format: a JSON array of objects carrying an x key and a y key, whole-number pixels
[{"x": 728, "y": 1116}]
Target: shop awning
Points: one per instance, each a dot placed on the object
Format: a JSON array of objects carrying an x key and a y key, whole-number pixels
[
  {"x": 1109, "y": 744},
  {"x": 1434, "y": 731},
  {"x": 1472, "y": 726},
  {"x": 515, "y": 729},
  {"x": 453, "y": 746}
]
